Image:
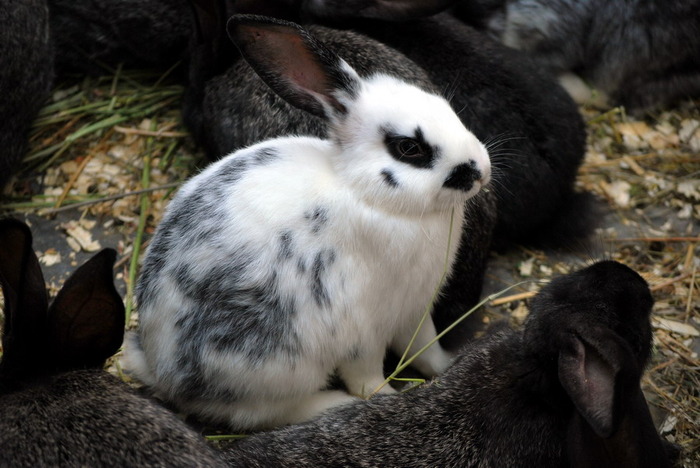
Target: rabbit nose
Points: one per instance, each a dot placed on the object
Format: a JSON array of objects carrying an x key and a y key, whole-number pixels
[{"x": 463, "y": 176}]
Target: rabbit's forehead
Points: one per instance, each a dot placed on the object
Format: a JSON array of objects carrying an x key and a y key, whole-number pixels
[{"x": 386, "y": 102}]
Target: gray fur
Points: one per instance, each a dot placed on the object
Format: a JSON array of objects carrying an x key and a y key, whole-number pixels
[
  {"x": 317, "y": 218},
  {"x": 501, "y": 403},
  {"x": 90, "y": 418},
  {"x": 57, "y": 406},
  {"x": 26, "y": 74},
  {"x": 262, "y": 319},
  {"x": 322, "y": 261},
  {"x": 644, "y": 54}
]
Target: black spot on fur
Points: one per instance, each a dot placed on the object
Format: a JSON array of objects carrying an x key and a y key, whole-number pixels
[
  {"x": 323, "y": 260},
  {"x": 265, "y": 155},
  {"x": 285, "y": 246},
  {"x": 231, "y": 171},
  {"x": 233, "y": 316},
  {"x": 389, "y": 178},
  {"x": 318, "y": 217},
  {"x": 301, "y": 266},
  {"x": 462, "y": 177}
]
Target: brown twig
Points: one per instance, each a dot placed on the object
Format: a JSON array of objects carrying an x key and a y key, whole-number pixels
[
  {"x": 512, "y": 298},
  {"x": 680, "y": 277},
  {"x": 151, "y": 133},
  {"x": 111, "y": 198}
]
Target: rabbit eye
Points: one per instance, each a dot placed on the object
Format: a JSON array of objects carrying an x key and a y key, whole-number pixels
[
  {"x": 405, "y": 148},
  {"x": 410, "y": 150}
]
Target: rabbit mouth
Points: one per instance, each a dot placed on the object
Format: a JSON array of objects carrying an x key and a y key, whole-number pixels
[{"x": 449, "y": 197}]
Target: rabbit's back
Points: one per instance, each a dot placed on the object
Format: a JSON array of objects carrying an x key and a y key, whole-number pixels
[
  {"x": 26, "y": 74},
  {"x": 64, "y": 420},
  {"x": 468, "y": 417}
]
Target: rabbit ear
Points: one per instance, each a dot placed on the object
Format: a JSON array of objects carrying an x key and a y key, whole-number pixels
[
  {"x": 86, "y": 320},
  {"x": 25, "y": 296},
  {"x": 294, "y": 64},
  {"x": 596, "y": 366}
]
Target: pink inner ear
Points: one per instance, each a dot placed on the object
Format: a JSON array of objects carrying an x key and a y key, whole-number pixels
[
  {"x": 299, "y": 69},
  {"x": 287, "y": 53}
]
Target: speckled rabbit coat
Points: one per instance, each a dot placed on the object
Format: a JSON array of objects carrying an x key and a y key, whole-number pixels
[{"x": 299, "y": 257}]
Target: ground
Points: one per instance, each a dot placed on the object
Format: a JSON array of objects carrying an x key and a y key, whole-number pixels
[{"x": 107, "y": 153}]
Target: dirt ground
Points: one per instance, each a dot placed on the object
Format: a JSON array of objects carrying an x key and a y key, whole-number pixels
[{"x": 645, "y": 173}]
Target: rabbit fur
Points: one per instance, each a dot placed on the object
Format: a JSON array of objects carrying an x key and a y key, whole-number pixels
[
  {"x": 57, "y": 406},
  {"x": 90, "y": 35},
  {"x": 26, "y": 74},
  {"x": 642, "y": 54},
  {"x": 512, "y": 398},
  {"x": 299, "y": 256}
]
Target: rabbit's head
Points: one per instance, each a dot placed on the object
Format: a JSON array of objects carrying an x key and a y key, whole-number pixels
[
  {"x": 400, "y": 148},
  {"x": 591, "y": 330},
  {"x": 606, "y": 294},
  {"x": 82, "y": 327}
]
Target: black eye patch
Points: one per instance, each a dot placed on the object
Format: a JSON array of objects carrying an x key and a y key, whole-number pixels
[{"x": 413, "y": 150}]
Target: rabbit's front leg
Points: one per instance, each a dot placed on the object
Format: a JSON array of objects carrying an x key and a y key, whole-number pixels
[
  {"x": 432, "y": 361},
  {"x": 363, "y": 373}
]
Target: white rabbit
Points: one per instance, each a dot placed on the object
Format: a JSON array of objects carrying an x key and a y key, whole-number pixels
[{"x": 299, "y": 257}]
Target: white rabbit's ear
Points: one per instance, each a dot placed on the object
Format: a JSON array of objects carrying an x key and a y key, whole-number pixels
[{"x": 294, "y": 64}]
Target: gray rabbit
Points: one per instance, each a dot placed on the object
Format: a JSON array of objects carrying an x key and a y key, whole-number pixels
[
  {"x": 562, "y": 392},
  {"x": 644, "y": 54},
  {"x": 26, "y": 74},
  {"x": 57, "y": 406}
]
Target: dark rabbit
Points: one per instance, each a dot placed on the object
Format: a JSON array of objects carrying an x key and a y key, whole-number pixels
[
  {"x": 89, "y": 34},
  {"x": 299, "y": 257},
  {"x": 531, "y": 125},
  {"x": 26, "y": 74},
  {"x": 562, "y": 392},
  {"x": 644, "y": 54},
  {"x": 57, "y": 406}
]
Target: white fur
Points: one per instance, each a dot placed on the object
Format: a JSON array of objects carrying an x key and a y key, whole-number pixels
[{"x": 389, "y": 245}]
